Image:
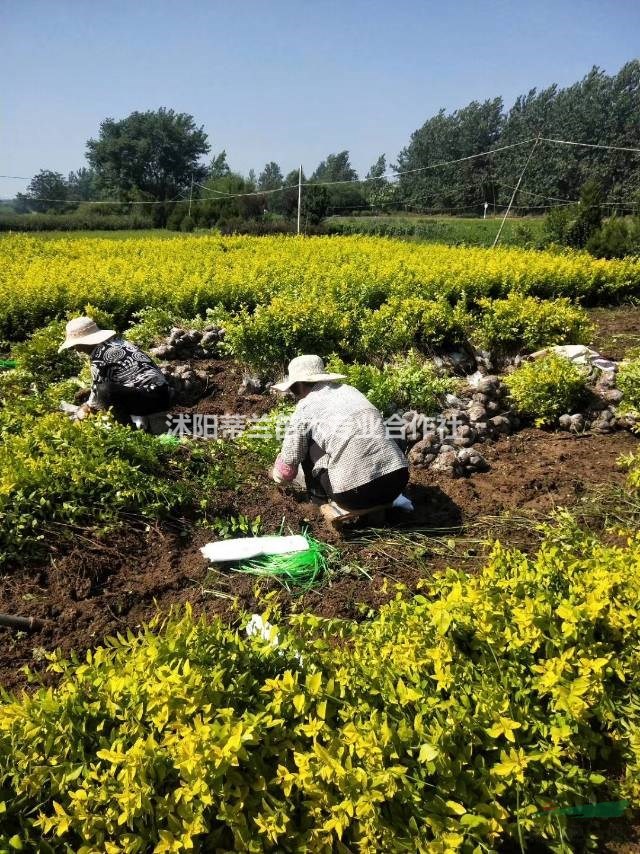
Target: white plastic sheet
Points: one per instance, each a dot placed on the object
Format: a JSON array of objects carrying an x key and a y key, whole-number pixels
[
  {"x": 579, "y": 354},
  {"x": 246, "y": 548}
]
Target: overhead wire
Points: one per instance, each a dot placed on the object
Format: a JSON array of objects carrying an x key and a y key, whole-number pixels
[
  {"x": 626, "y": 203},
  {"x": 390, "y": 177},
  {"x": 590, "y": 144}
]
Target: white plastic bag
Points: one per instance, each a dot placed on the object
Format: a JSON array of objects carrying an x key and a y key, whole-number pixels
[{"x": 403, "y": 503}]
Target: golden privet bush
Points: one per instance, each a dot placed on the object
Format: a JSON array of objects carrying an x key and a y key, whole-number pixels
[
  {"x": 446, "y": 722},
  {"x": 42, "y": 279}
]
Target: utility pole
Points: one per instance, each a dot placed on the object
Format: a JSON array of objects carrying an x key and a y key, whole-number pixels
[
  {"x": 299, "y": 196},
  {"x": 190, "y": 194}
]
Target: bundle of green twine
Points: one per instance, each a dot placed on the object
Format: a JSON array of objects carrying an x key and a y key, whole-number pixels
[
  {"x": 604, "y": 809},
  {"x": 299, "y": 571}
]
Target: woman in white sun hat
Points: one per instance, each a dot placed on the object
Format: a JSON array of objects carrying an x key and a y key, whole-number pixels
[
  {"x": 124, "y": 379},
  {"x": 339, "y": 439}
]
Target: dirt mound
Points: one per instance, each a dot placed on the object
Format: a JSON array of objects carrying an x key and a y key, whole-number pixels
[{"x": 223, "y": 396}]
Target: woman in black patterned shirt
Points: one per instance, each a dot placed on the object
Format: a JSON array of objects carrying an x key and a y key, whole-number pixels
[{"x": 124, "y": 379}]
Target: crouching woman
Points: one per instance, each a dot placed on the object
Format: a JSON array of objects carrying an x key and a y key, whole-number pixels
[
  {"x": 124, "y": 378},
  {"x": 339, "y": 439}
]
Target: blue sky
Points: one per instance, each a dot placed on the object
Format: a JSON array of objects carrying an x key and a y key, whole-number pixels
[{"x": 281, "y": 80}]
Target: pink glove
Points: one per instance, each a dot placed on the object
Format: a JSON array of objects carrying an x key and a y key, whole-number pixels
[{"x": 283, "y": 472}]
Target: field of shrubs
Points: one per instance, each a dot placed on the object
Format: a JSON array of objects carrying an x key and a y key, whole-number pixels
[
  {"x": 480, "y": 690},
  {"x": 271, "y": 279}
]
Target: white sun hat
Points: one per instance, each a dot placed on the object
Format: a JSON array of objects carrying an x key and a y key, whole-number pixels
[
  {"x": 306, "y": 369},
  {"x": 84, "y": 330}
]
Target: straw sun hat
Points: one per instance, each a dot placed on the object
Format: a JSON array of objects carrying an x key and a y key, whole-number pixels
[
  {"x": 84, "y": 330},
  {"x": 306, "y": 369}
]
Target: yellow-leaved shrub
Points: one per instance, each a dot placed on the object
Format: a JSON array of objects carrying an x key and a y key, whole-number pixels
[
  {"x": 41, "y": 279},
  {"x": 446, "y": 722}
]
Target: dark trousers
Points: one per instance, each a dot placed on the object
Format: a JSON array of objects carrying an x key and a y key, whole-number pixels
[
  {"x": 382, "y": 490},
  {"x": 125, "y": 402}
]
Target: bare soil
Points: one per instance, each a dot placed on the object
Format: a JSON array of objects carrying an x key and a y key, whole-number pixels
[
  {"x": 104, "y": 586},
  {"x": 223, "y": 396},
  {"x": 618, "y": 330}
]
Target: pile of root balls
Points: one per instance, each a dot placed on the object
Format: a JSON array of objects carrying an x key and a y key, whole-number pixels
[
  {"x": 481, "y": 412},
  {"x": 600, "y": 414},
  {"x": 184, "y": 344},
  {"x": 188, "y": 384}
]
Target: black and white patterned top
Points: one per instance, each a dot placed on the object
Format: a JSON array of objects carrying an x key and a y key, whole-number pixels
[{"x": 122, "y": 363}]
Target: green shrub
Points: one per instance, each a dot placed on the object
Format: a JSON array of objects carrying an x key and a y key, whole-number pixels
[
  {"x": 524, "y": 324},
  {"x": 372, "y": 381},
  {"x": 176, "y": 217},
  {"x": 405, "y": 322},
  {"x": 405, "y": 382},
  {"x": 557, "y": 224},
  {"x": 104, "y": 319},
  {"x": 628, "y": 381},
  {"x": 81, "y": 220},
  {"x": 588, "y": 217},
  {"x": 39, "y": 359},
  {"x": 151, "y": 325},
  {"x": 615, "y": 239},
  {"x": 283, "y": 328},
  {"x": 546, "y": 388},
  {"x": 264, "y": 438},
  {"x": 445, "y": 723},
  {"x": 56, "y": 475},
  {"x": 631, "y": 462},
  {"x": 273, "y": 334}
]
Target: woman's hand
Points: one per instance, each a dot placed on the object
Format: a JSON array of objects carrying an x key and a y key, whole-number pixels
[
  {"x": 283, "y": 472},
  {"x": 275, "y": 476}
]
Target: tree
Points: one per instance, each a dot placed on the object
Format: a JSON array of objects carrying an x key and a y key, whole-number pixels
[
  {"x": 153, "y": 154},
  {"x": 471, "y": 130},
  {"x": 376, "y": 192},
  {"x": 577, "y": 225},
  {"x": 82, "y": 185},
  {"x": 219, "y": 168},
  {"x": 378, "y": 169},
  {"x": 615, "y": 239},
  {"x": 286, "y": 202},
  {"x": 588, "y": 218},
  {"x": 340, "y": 197},
  {"x": 47, "y": 191},
  {"x": 223, "y": 200},
  {"x": 596, "y": 109},
  {"x": 315, "y": 201},
  {"x": 335, "y": 168},
  {"x": 271, "y": 177}
]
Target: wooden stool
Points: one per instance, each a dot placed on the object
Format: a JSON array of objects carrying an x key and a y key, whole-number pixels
[{"x": 336, "y": 516}]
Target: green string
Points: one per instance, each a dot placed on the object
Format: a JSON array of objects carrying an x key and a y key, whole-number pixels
[
  {"x": 300, "y": 570},
  {"x": 605, "y": 809}
]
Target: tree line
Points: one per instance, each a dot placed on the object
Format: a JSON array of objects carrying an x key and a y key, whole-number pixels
[{"x": 156, "y": 159}]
